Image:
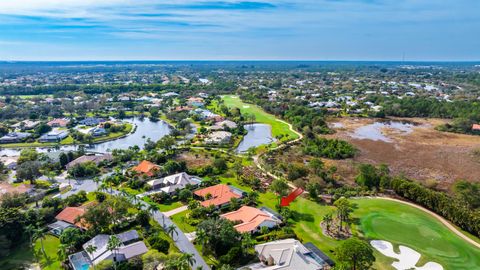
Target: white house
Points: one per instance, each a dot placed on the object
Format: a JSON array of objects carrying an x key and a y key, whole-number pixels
[{"x": 172, "y": 183}]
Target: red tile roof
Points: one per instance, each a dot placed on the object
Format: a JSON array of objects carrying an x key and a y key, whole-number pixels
[
  {"x": 250, "y": 218},
  {"x": 221, "y": 194},
  {"x": 146, "y": 167},
  {"x": 476, "y": 127},
  {"x": 70, "y": 214}
]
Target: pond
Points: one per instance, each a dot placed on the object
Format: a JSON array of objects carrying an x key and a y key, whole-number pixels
[
  {"x": 257, "y": 135},
  {"x": 376, "y": 131},
  {"x": 145, "y": 128}
]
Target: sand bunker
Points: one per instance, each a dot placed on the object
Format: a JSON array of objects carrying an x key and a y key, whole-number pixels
[
  {"x": 407, "y": 258},
  {"x": 246, "y": 106}
]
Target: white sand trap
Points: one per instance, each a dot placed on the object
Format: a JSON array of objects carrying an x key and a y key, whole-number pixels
[
  {"x": 407, "y": 258},
  {"x": 246, "y": 106}
]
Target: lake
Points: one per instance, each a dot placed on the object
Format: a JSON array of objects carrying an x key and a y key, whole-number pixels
[
  {"x": 375, "y": 131},
  {"x": 145, "y": 128},
  {"x": 257, "y": 135}
]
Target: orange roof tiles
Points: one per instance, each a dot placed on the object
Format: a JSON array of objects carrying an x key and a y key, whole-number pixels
[
  {"x": 476, "y": 127},
  {"x": 70, "y": 214},
  {"x": 146, "y": 167},
  {"x": 251, "y": 218},
  {"x": 221, "y": 194}
]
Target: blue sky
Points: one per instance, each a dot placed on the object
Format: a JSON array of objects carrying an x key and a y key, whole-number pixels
[{"x": 239, "y": 30}]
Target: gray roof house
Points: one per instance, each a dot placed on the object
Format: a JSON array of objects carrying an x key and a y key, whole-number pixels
[
  {"x": 13, "y": 137},
  {"x": 172, "y": 183},
  {"x": 54, "y": 136},
  {"x": 130, "y": 247},
  {"x": 288, "y": 254},
  {"x": 218, "y": 137}
]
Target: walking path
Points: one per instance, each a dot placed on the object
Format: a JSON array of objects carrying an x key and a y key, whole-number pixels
[{"x": 439, "y": 218}]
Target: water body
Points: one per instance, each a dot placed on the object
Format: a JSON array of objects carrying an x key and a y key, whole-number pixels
[
  {"x": 257, "y": 135},
  {"x": 374, "y": 131},
  {"x": 145, "y": 128}
]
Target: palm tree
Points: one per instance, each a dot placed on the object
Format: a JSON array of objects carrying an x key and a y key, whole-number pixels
[
  {"x": 30, "y": 229},
  {"x": 62, "y": 253},
  {"x": 247, "y": 241},
  {"x": 96, "y": 180},
  {"x": 187, "y": 260},
  {"x": 327, "y": 219},
  {"x": 39, "y": 234},
  {"x": 90, "y": 250},
  {"x": 202, "y": 239},
  {"x": 152, "y": 208},
  {"x": 252, "y": 198},
  {"x": 171, "y": 230},
  {"x": 113, "y": 244}
]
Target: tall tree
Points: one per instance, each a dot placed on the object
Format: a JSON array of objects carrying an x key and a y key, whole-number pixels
[{"x": 355, "y": 254}]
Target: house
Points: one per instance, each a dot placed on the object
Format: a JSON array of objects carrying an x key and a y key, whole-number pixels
[
  {"x": 224, "y": 124},
  {"x": 14, "y": 137},
  {"x": 195, "y": 101},
  {"x": 9, "y": 162},
  {"x": 54, "y": 136},
  {"x": 218, "y": 195},
  {"x": 476, "y": 127},
  {"x": 183, "y": 108},
  {"x": 97, "y": 131},
  {"x": 290, "y": 254},
  {"x": 146, "y": 168},
  {"x": 26, "y": 125},
  {"x": 59, "y": 122},
  {"x": 68, "y": 219},
  {"x": 130, "y": 247},
  {"x": 93, "y": 158},
  {"x": 208, "y": 115},
  {"x": 251, "y": 219},
  {"x": 170, "y": 94},
  {"x": 218, "y": 137},
  {"x": 91, "y": 121},
  {"x": 172, "y": 183}
]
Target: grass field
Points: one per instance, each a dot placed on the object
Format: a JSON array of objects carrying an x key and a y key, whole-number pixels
[
  {"x": 51, "y": 244},
  {"x": 404, "y": 225},
  {"x": 385, "y": 220},
  {"x": 278, "y": 128}
]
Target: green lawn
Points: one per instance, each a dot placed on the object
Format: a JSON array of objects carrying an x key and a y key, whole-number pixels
[
  {"x": 51, "y": 244},
  {"x": 179, "y": 219},
  {"x": 278, "y": 128},
  {"x": 404, "y": 225},
  {"x": 164, "y": 207}
]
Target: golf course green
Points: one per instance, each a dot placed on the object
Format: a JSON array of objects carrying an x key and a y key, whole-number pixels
[
  {"x": 401, "y": 224},
  {"x": 279, "y": 128}
]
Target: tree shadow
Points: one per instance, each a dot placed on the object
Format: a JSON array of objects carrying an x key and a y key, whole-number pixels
[{"x": 297, "y": 216}]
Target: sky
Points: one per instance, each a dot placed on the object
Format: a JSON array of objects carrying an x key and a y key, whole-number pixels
[{"x": 440, "y": 30}]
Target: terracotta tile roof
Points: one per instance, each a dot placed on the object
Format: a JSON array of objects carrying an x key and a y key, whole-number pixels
[
  {"x": 221, "y": 194},
  {"x": 146, "y": 167},
  {"x": 251, "y": 218},
  {"x": 69, "y": 215},
  {"x": 476, "y": 127}
]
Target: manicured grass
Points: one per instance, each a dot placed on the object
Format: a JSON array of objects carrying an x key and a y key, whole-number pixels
[
  {"x": 404, "y": 225},
  {"x": 278, "y": 128},
  {"x": 179, "y": 219},
  {"x": 51, "y": 244},
  {"x": 164, "y": 207}
]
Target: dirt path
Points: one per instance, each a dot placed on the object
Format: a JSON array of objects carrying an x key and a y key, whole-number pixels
[{"x": 438, "y": 217}]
